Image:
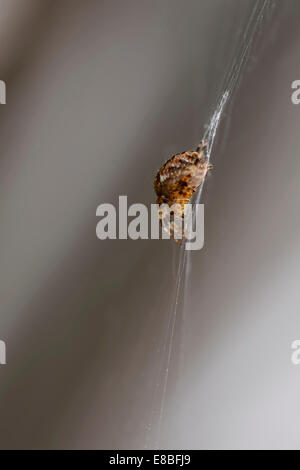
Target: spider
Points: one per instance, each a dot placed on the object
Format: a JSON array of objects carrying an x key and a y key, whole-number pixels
[{"x": 175, "y": 183}]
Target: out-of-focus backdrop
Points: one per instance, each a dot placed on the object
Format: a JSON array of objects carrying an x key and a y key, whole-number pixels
[{"x": 99, "y": 95}]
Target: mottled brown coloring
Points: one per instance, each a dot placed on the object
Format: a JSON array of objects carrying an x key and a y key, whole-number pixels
[{"x": 179, "y": 178}]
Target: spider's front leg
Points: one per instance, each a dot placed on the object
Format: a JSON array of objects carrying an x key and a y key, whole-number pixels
[
  {"x": 177, "y": 224},
  {"x": 171, "y": 222}
]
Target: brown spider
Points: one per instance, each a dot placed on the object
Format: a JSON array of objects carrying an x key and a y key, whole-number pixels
[{"x": 175, "y": 183}]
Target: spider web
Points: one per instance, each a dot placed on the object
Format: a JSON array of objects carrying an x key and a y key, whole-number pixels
[{"x": 261, "y": 10}]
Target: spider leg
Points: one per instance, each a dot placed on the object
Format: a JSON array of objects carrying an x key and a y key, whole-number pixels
[
  {"x": 173, "y": 227},
  {"x": 203, "y": 145},
  {"x": 171, "y": 233}
]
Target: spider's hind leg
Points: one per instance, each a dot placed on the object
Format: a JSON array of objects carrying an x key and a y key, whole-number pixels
[{"x": 202, "y": 146}]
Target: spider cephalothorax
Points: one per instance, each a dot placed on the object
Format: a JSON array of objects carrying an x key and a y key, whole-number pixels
[{"x": 179, "y": 178}]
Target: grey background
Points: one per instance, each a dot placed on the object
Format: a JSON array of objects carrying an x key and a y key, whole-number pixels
[{"x": 99, "y": 94}]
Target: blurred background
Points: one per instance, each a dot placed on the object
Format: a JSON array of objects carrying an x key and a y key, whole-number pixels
[{"x": 99, "y": 95}]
